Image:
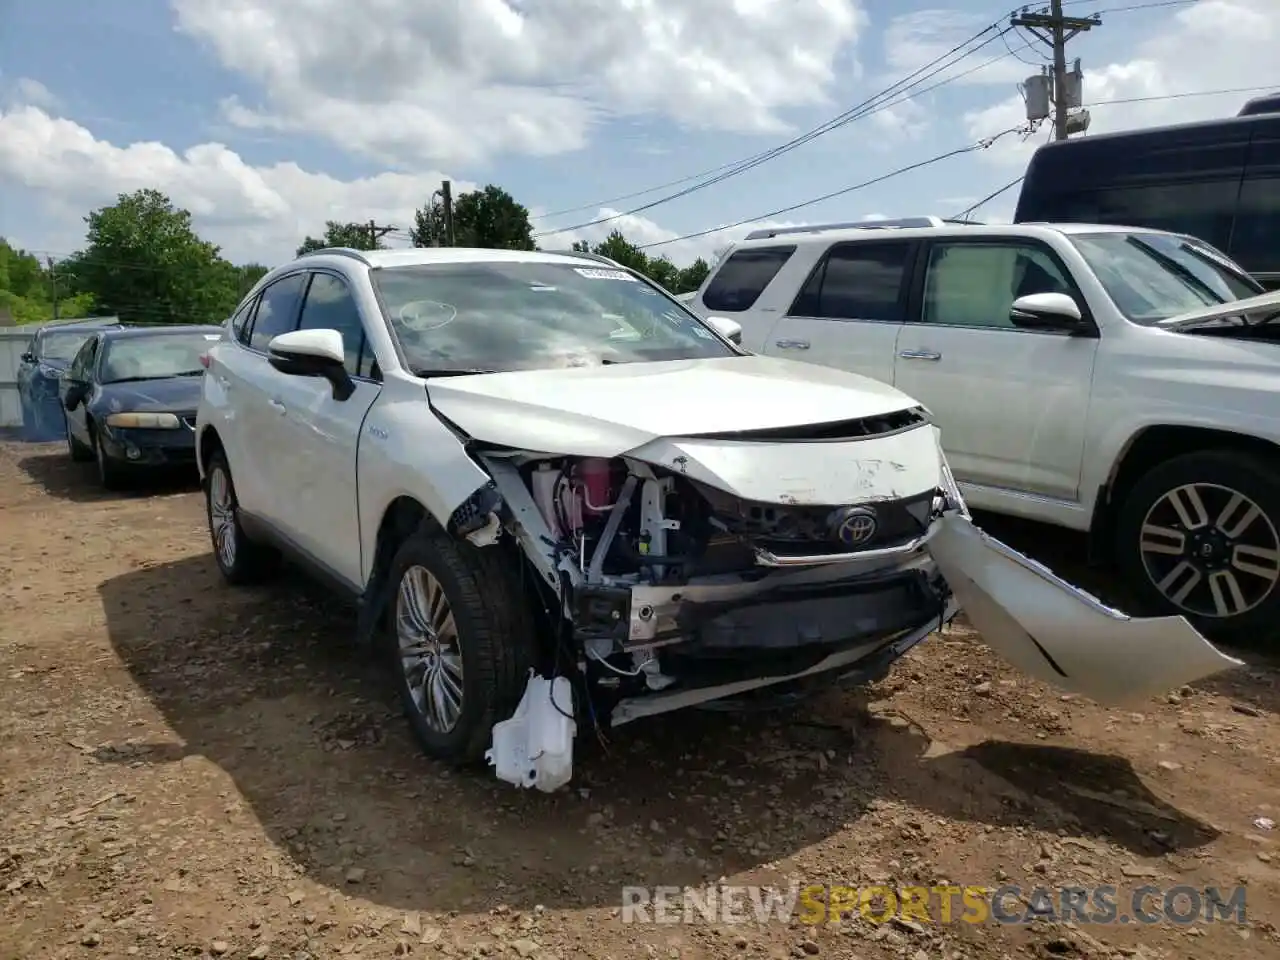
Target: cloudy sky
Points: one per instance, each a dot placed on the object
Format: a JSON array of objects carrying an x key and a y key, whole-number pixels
[{"x": 267, "y": 117}]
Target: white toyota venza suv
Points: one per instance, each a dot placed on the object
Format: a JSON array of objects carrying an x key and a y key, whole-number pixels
[{"x": 562, "y": 499}]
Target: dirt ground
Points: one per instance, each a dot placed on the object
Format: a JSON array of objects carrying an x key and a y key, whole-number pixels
[{"x": 189, "y": 770}]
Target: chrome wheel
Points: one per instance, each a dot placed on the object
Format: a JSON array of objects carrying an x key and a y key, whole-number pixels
[
  {"x": 222, "y": 517},
  {"x": 428, "y": 645},
  {"x": 1210, "y": 550}
]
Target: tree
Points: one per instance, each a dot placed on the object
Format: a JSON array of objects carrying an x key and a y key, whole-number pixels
[
  {"x": 357, "y": 236},
  {"x": 621, "y": 250},
  {"x": 144, "y": 262},
  {"x": 692, "y": 276},
  {"x": 247, "y": 275},
  {"x": 32, "y": 293},
  {"x": 491, "y": 218},
  {"x": 428, "y": 228}
]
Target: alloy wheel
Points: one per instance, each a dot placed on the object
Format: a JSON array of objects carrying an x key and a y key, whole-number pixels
[
  {"x": 1210, "y": 550},
  {"x": 222, "y": 517},
  {"x": 430, "y": 656}
]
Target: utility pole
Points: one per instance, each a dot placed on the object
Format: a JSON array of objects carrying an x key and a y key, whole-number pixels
[
  {"x": 1057, "y": 30},
  {"x": 53, "y": 284},
  {"x": 374, "y": 233},
  {"x": 446, "y": 202}
]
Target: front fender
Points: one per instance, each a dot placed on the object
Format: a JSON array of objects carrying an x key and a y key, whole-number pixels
[{"x": 405, "y": 450}]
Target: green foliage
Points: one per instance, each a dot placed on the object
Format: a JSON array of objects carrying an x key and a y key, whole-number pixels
[
  {"x": 28, "y": 289},
  {"x": 143, "y": 262},
  {"x": 489, "y": 218},
  {"x": 357, "y": 236},
  {"x": 658, "y": 269}
]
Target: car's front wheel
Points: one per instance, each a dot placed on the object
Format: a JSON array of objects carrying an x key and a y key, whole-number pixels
[
  {"x": 241, "y": 560},
  {"x": 460, "y": 642},
  {"x": 111, "y": 474},
  {"x": 1199, "y": 536}
]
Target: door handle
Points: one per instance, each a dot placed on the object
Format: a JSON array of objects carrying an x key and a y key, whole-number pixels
[
  {"x": 277, "y": 404},
  {"x": 919, "y": 355},
  {"x": 792, "y": 344},
  {"x": 224, "y": 382}
]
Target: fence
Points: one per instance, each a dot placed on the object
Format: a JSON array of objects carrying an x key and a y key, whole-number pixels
[{"x": 13, "y": 343}]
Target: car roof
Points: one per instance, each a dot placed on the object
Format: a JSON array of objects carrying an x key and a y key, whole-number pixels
[
  {"x": 871, "y": 234},
  {"x": 86, "y": 323},
  {"x": 422, "y": 256}
]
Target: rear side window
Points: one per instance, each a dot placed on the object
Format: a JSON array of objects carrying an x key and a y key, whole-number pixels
[
  {"x": 240, "y": 322},
  {"x": 858, "y": 281},
  {"x": 741, "y": 279}
]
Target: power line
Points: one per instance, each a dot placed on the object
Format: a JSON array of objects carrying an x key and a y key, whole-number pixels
[
  {"x": 979, "y": 145},
  {"x": 1179, "y": 96},
  {"x": 865, "y": 108},
  {"x": 964, "y": 214}
]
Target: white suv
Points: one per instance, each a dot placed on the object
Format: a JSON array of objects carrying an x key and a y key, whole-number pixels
[
  {"x": 1084, "y": 376},
  {"x": 558, "y": 495}
]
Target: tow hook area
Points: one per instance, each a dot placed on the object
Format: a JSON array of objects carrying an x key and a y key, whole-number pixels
[{"x": 535, "y": 747}]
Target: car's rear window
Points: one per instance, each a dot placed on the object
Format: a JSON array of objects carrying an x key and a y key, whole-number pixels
[{"x": 740, "y": 280}]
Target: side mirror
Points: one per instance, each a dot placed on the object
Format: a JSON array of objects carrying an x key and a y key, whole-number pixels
[
  {"x": 313, "y": 353},
  {"x": 77, "y": 390},
  {"x": 28, "y": 357},
  {"x": 1046, "y": 311},
  {"x": 731, "y": 330}
]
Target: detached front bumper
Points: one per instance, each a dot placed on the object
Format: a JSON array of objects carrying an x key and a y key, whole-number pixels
[{"x": 716, "y": 640}]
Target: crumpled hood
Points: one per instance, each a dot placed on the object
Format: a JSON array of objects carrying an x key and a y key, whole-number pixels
[
  {"x": 170, "y": 395},
  {"x": 605, "y": 411}
]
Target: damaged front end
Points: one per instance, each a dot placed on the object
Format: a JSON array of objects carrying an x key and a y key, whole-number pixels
[{"x": 709, "y": 570}]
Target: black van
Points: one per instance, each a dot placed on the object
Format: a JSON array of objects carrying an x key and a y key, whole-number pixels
[{"x": 1218, "y": 180}]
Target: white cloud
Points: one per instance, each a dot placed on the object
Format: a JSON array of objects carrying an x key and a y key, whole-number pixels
[
  {"x": 1213, "y": 45},
  {"x": 254, "y": 213},
  {"x": 450, "y": 82},
  {"x": 915, "y": 40},
  {"x": 25, "y": 90}
]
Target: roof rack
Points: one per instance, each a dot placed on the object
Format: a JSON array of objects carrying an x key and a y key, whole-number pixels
[
  {"x": 351, "y": 252},
  {"x": 899, "y": 224}
]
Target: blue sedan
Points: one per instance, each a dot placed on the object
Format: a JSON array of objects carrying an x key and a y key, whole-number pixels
[
  {"x": 130, "y": 397},
  {"x": 46, "y": 357}
]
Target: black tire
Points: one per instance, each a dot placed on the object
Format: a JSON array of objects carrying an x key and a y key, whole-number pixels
[
  {"x": 111, "y": 475},
  {"x": 494, "y": 637},
  {"x": 247, "y": 562},
  {"x": 77, "y": 450},
  {"x": 1210, "y": 551}
]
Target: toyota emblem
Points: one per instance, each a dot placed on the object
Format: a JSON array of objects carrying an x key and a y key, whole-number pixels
[{"x": 854, "y": 526}]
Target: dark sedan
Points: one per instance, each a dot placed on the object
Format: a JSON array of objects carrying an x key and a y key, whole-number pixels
[
  {"x": 130, "y": 397},
  {"x": 46, "y": 358}
]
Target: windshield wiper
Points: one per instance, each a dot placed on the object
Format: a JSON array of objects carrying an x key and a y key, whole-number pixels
[
  {"x": 426, "y": 372},
  {"x": 167, "y": 376},
  {"x": 1176, "y": 268}
]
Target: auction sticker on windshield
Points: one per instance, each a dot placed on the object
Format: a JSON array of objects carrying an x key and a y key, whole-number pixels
[{"x": 592, "y": 274}]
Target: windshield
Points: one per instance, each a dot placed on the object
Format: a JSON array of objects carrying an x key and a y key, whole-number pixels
[
  {"x": 513, "y": 315},
  {"x": 1154, "y": 276},
  {"x": 62, "y": 346},
  {"x": 154, "y": 357}
]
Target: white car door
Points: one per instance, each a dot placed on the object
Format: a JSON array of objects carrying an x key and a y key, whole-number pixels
[
  {"x": 315, "y": 459},
  {"x": 253, "y": 446},
  {"x": 849, "y": 309},
  {"x": 1011, "y": 402}
]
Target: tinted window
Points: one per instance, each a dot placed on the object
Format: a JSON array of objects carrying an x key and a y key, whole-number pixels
[
  {"x": 1203, "y": 210},
  {"x": 1256, "y": 240},
  {"x": 155, "y": 357},
  {"x": 239, "y": 322},
  {"x": 532, "y": 315},
  {"x": 857, "y": 281},
  {"x": 277, "y": 310},
  {"x": 741, "y": 279},
  {"x": 974, "y": 285},
  {"x": 329, "y": 305}
]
